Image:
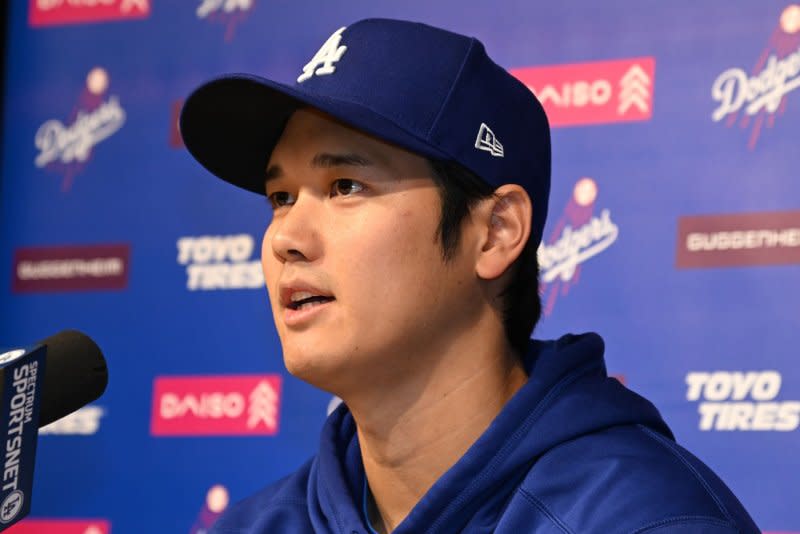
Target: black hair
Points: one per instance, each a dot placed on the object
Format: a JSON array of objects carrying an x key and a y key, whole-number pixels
[{"x": 460, "y": 189}]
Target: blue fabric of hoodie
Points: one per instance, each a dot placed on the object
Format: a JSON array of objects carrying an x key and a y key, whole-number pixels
[{"x": 573, "y": 451}]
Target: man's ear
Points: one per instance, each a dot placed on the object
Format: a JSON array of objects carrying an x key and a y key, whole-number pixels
[{"x": 508, "y": 228}]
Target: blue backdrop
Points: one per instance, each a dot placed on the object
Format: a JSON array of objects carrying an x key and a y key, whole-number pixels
[{"x": 647, "y": 136}]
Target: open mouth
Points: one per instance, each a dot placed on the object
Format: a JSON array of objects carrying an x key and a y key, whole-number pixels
[{"x": 308, "y": 302}]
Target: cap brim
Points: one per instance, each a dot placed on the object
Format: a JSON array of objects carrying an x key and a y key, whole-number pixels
[{"x": 231, "y": 125}]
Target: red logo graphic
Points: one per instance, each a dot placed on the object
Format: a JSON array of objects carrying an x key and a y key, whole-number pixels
[
  {"x": 58, "y": 12},
  {"x": 578, "y": 235},
  {"x": 216, "y": 502},
  {"x": 740, "y": 239},
  {"x": 216, "y": 405},
  {"x": 70, "y": 268},
  {"x": 61, "y": 526},
  {"x": 229, "y": 13},
  {"x": 754, "y": 100},
  {"x": 593, "y": 93}
]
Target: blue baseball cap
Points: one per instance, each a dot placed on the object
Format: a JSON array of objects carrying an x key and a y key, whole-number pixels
[{"x": 428, "y": 90}]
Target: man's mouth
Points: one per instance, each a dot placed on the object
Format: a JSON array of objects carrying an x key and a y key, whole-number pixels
[{"x": 302, "y": 300}]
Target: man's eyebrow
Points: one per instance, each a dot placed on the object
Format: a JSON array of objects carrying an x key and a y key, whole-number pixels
[
  {"x": 349, "y": 159},
  {"x": 272, "y": 172},
  {"x": 324, "y": 160}
]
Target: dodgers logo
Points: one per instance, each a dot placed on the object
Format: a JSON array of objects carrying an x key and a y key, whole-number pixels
[
  {"x": 578, "y": 236},
  {"x": 226, "y": 12},
  {"x": 66, "y": 148},
  {"x": 11, "y": 506},
  {"x": 754, "y": 100},
  {"x": 324, "y": 60}
]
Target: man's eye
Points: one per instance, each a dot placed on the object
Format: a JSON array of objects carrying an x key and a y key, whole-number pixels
[
  {"x": 345, "y": 186},
  {"x": 280, "y": 198}
]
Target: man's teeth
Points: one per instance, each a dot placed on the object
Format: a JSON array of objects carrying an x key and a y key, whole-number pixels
[
  {"x": 301, "y": 295},
  {"x": 305, "y": 299},
  {"x": 307, "y": 305}
]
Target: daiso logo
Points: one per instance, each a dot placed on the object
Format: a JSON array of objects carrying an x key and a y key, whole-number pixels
[
  {"x": 216, "y": 405},
  {"x": 619, "y": 90},
  {"x": 62, "y": 526},
  {"x": 58, "y": 12}
]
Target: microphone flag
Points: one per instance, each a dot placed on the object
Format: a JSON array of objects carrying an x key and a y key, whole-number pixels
[{"x": 22, "y": 373}]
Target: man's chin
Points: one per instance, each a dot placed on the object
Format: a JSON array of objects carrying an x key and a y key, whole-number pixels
[{"x": 324, "y": 371}]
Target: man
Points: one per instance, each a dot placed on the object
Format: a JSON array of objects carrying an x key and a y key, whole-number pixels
[{"x": 408, "y": 176}]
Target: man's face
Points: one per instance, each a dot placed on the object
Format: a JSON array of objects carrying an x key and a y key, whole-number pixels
[{"x": 352, "y": 260}]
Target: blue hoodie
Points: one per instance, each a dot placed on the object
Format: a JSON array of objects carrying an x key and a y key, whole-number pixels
[{"x": 573, "y": 451}]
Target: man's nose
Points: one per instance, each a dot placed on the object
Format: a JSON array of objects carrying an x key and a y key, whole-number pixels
[{"x": 296, "y": 236}]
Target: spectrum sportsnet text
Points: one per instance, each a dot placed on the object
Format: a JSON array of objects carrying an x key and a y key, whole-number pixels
[
  {"x": 220, "y": 262},
  {"x": 741, "y": 400},
  {"x": 21, "y": 414}
]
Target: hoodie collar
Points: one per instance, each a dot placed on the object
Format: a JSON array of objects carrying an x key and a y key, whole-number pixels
[{"x": 567, "y": 394}]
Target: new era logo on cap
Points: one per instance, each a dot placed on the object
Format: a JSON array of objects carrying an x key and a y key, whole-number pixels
[{"x": 488, "y": 141}]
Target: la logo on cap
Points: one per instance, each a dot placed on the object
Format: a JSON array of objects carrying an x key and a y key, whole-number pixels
[{"x": 325, "y": 57}]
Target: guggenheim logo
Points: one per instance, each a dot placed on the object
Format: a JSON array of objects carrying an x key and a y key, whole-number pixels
[
  {"x": 70, "y": 268},
  {"x": 739, "y": 239}
]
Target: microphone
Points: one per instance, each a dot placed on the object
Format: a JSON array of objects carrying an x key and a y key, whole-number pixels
[{"x": 40, "y": 384}]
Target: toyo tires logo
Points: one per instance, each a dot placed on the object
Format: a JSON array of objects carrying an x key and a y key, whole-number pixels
[{"x": 741, "y": 400}]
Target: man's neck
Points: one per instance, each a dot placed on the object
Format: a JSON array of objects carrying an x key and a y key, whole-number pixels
[{"x": 408, "y": 441}]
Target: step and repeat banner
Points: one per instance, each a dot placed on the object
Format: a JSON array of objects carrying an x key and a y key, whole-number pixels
[{"x": 674, "y": 232}]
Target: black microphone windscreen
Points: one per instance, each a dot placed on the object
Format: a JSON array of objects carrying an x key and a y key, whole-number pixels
[{"x": 75, "y": 374}]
